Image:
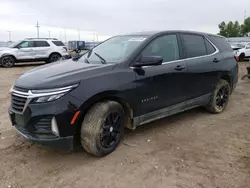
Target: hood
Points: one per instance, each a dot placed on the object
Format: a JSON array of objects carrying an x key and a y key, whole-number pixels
[
  {"x": 59, "y": 74},
  {"x": 4, "y": 48}
]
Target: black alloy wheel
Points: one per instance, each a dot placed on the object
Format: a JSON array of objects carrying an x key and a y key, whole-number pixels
[
  {"x": 111, "y": 129},
  {"x": 54, "y": 58},
  {"x": 222, "y": 97},
  {"x": 7, "y": 61}
]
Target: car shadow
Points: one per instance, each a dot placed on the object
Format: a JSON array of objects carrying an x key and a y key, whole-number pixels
[{"x": 80, "y": 157}]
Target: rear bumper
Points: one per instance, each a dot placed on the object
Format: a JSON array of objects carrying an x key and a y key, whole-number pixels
[{"x": 66, "y": 143}]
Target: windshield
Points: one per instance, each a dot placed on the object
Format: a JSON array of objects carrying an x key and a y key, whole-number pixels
[
  {"x": 14, "y": 44},
  {"x": 114, "y": 50}
]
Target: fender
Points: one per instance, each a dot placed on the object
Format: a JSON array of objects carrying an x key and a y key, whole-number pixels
[
  {"x": 8, "y": 54},
  {"x": 107, "y": 95}
]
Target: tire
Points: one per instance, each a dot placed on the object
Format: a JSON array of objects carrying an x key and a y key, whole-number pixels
[
  {"x": 215, "y": 105},
  {"x": 7, "y": 61},
  {"x": 241, "y": 57},
  {"x": 97, "y": 128},
  {"x": 53, "y": 58}
]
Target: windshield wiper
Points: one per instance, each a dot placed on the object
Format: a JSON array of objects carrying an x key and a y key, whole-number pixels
[
  {"x": 101, "y": 58},
  {"x": 86, "y": 60}
]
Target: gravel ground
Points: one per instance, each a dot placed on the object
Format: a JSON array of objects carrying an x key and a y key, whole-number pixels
[{"x": 188, "y": 150}]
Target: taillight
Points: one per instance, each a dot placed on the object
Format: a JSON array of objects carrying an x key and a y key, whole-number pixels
[{"x": 236, "y": 58}]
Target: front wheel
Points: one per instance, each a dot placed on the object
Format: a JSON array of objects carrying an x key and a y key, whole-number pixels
[
  {"x": 102, "y": 128},
  {"x": 219, "y": 98},
  {"x": 7, "y": 61}
]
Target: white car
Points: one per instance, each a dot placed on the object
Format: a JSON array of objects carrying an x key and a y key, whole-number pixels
[
  {"x": 31, "y": 50},
  {"x": 243, "y": 52}
]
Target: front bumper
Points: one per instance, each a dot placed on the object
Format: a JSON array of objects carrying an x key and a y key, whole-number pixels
[
  {"x": 35, "y": 123},
  {"x": 55, "y": 142}
]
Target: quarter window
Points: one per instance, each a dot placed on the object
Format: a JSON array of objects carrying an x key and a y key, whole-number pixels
[
  {"x": 210, "y": 48},
  {"x": 194, "y": 45},
  {"x": 58, "y": 43},
  {"x": 41, "y": 44},
  {"x": 165, "y": 46},
  {"x": 221, "y": 43}
]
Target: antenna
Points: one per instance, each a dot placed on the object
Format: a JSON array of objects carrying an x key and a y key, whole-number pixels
[
  {"x": 49, "y": 33},
  {"x": 37, "y": 27}
]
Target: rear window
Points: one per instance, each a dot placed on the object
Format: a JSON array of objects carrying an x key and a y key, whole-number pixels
[
  {"x": 58, "y": 43},
  {"x": 221, "y": 43},
  {"x": 194, "y": 45}
]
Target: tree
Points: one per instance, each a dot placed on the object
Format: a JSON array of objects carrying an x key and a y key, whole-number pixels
[
  {"x": 234, "y": 29},
  {"x": 246, "y": 28},
  {"x": 223, "y": 29}
]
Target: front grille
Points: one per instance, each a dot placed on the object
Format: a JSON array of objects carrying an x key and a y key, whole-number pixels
[{"x": 18, "y": 103}]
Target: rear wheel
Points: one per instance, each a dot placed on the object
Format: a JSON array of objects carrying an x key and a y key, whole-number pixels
[
  {"x": 53, "y": 58},
  {"x": 241, "y": 57},
  {"x": 102, "y": 128},
  {"x": 219, "y": 98},
  {"x": 7, "y": 61}
]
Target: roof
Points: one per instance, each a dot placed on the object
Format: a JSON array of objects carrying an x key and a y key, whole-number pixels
[
  {"x": 40, "y": 39},
  {"x": 151, "y": 33}
]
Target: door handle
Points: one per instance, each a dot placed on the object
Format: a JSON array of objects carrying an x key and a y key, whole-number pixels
[
  {"x": 179, "y": 67},
  {"x": 216, "y": 60}
]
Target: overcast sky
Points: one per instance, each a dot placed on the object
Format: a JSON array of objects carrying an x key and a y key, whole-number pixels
[{"x": 111, "y": 17}]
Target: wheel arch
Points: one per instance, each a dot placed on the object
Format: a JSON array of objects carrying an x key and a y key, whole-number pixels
[
  {"x": 242, "y": 54},
  {"x": 105, "y": 96},
  {"x": 54, "y": 53},
  {"x": 229, "y": 79},
  {"x": 7, "y": 54}
]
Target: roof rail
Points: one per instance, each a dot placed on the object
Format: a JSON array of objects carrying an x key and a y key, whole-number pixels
[{"x": 42, "y": 38}]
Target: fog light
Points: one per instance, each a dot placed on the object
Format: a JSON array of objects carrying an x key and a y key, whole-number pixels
[{"x": 54, "y": 127}]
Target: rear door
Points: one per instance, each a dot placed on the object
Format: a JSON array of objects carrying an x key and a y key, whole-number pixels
[
  {"x": 161, "y": 86},
  {"x": 41, "y": 49},
  {"x": 25, "y": 51},
  {"x": 201, "y": 58}
]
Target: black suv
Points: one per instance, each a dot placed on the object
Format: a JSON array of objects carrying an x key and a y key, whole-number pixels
[{"x": 126, "y": 81}]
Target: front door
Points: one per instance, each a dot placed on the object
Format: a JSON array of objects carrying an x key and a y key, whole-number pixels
[
  {"x": 25, "y": 51},
  {"x": 161, "y": 86}
]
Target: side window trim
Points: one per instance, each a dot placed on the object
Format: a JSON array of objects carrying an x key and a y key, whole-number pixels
[
  {"x": 205, "y": 37},
  {"x": 181, "y": 50}
]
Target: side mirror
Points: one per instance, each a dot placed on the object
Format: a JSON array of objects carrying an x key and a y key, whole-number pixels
[
  {"x": 18, "y": 47},
  {"x": 149, "y": 61},
  {"x": 247, "y": 47}
]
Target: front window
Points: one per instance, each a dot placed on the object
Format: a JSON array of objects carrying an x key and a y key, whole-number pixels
[
  {"x": 26, "y": 44},
  {"x": 165, "y": 47},
  {"x": 114, "y": 50}
]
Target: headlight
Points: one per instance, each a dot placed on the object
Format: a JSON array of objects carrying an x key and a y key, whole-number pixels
[{"x": 48, "y": 95}]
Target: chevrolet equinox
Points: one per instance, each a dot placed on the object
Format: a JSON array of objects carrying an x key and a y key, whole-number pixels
[{"x": 126, "y": 81}]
